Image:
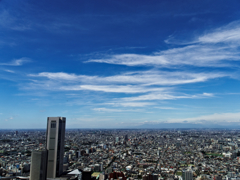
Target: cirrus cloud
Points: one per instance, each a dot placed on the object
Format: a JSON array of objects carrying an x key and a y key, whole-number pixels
[
  {"x": 16, "y": 62},
  {"x": 219, "y": 48}
]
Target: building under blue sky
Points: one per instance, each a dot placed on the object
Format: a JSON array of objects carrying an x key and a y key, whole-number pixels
[{"x": 119, "y": 63}]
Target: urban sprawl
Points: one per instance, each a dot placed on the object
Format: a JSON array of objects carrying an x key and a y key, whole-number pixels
[{"x": 128, "y": 154}]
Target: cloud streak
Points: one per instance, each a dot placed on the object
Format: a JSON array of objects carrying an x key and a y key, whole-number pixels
[
  {"x": 16, "y": 62},
  {"x": 112, "y": 88},
  {"x": 166, "y": 96},
  {"x": 226, "y": 34},
  {"x": 218, "y": 48},
  {"x": 150, "y": 77},
  {"x": 192, "y": 55},
  {"x": 130, "y": 104},
  {"x": 113, "y": 110},
  {"x": 8, "y": 70}
]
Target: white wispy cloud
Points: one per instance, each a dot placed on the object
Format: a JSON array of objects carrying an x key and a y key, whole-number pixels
[
  {"x": 191, "y": 55},
  {"x": 16, "y": 62},
  {"x": 166, "y": 108},
  {"x": 113, "y": 110},
  {"x": 225, "y": 34},
  {"x": 154, "y": 77},
  {"x": 131, "y": 104},
  {"x": 152, "y": 85},
  {"x": 8, "y": 70},
  {"x": 166, "y": 96},
  {"x": 57, "y": 76},
  {"x": 112, "y": 88},
  {"x": 218, "y": 48},
  {"x": 150, "y": 77},
  {"x": 107, "y": 110}
]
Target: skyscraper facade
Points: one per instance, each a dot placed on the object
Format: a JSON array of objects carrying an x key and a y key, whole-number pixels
[
  {"x": 187, "y": 175},
  {"x": 38, "y": 169},
  {"x": 117, "y": 139},
  {"x": 55, "y": 145},
  {"x": 126, "y": 137}
]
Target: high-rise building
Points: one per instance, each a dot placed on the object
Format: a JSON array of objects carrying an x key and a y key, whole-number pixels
[
  {"x": 38, "y": 168},
  {"x": 126, "y": 137},
  {"x": 217, "y": 177},
  {"x": 187, "y": 175},
  {"x": 55, "y": 145}
]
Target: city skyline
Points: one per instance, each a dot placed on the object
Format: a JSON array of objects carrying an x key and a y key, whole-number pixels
[{"x": 119, "y": 64}]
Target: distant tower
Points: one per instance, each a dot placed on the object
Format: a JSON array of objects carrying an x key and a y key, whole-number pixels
[
  {"x": 55, "y": 145},
  {"x": 126, "y": 137},
  {"x": 187, "y": 175},
  {"x": 38, "y": 168}
]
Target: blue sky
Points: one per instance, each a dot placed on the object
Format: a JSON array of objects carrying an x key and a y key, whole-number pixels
[{"x": 111, "y": 64}]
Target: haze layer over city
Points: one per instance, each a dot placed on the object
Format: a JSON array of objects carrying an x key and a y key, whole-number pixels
[
  {"x": 100, "y": 154},
  {"x": 119, "y": 64}
]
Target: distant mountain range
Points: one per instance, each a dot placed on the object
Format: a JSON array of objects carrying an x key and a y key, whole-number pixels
[{"x": 185, "y": 125}]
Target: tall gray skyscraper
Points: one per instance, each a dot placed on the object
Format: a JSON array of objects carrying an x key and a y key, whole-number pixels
[
  {"x": 38, "y": 169},
  {"x": 55, "y": 145}
]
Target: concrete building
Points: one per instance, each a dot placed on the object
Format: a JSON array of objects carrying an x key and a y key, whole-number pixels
[
  {"x": 187, "y": 175},
  {"x": 38, "y": 169},
  {"x": 126, "y": 137},
  {"x": 55, "y": 145}
]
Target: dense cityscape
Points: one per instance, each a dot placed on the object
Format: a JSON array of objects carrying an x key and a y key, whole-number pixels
[
  {"x": 119, "y": 90},
  {"x": 129, "y": 153}
]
